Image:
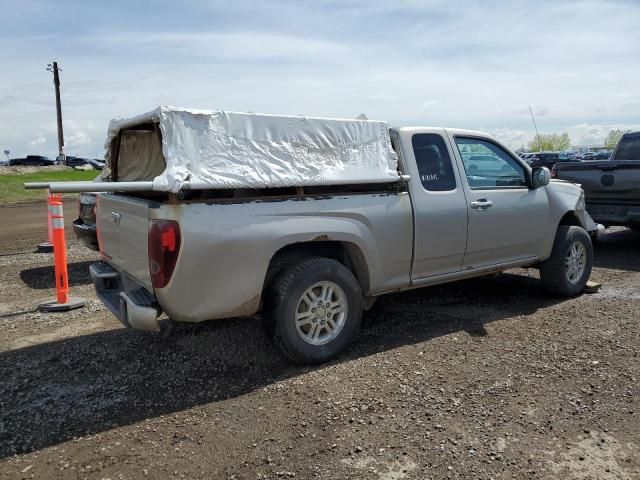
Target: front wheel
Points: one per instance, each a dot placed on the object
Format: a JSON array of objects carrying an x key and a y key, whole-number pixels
[
  {"x": 567, "y": 270},
  {"x": 313, "y": 310}
]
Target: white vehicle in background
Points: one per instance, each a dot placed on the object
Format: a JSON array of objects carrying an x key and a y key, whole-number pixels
[{"x": 213, "y": 215}]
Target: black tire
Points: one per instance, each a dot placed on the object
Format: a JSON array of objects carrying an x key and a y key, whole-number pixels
[
  {"x": 553, "y": 271},
  {"x": 283, "y": 302}
]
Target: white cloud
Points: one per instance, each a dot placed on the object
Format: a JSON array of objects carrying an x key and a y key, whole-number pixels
[
  {"x": 37, "y": 143},
  {"x": 429, "y": 104},
  {"x": 77, "y": 140},
  {"x": 512, "y": 138},
  {"x": 384, "y": 97},
  {"x": 594, "y": 135},
  {"x": 227, "y": 47}
]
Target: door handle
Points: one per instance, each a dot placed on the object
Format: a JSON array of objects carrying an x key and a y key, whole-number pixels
[{"x": 481, "y": 204}]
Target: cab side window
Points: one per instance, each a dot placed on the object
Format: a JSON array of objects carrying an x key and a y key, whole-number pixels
[
  {"x": 489, "y": 166},
  {"x": 434, "y": 163}
]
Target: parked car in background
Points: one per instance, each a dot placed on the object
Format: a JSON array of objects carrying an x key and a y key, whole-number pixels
[
  {"x": 76, "y": 161},
  {"x": 484, "y": 165},
  {"x": 97, "y": 163},
  {"x": 586, "y": 156},
  {"x": 548, "y": 159},
  {"x": 612, "y": 186},
  {"x": 526, "y": 156},
  {"x": 85, "y": 225},
  {"x": 33, "y": 161}
]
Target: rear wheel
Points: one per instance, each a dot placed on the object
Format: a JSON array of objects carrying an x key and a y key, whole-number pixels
[
  {"x": 313, "y": 310},
  {"x": 567, "y": 270}
]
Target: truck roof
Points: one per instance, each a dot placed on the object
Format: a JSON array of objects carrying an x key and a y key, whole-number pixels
[{"x": 454, "y": 131}]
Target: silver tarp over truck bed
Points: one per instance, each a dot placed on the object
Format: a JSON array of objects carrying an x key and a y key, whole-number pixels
[{"x": 199, "y": 149}]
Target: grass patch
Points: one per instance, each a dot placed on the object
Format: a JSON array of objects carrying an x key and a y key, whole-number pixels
[{"x": 12, "y": 188}]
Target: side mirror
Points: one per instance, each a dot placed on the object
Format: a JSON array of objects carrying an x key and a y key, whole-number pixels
[{"x": 540, "y": 176}]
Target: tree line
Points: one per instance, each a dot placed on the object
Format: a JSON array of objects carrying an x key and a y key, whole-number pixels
[{"x": 561, "y": 142}]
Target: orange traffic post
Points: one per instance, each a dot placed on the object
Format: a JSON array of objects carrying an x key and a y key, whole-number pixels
[
  {"x": 47, "y": 246},
  {"x": 63, "y": 301}
]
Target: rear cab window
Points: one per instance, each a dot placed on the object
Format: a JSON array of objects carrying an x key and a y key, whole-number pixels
[
  {"x": 629, "y": 147},
  {"x": 434, "y": 162}
]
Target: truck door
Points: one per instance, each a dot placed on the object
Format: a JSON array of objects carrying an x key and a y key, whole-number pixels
[
  {"x": 439, "y": 205},
  {"x": 507, "y": 218}
]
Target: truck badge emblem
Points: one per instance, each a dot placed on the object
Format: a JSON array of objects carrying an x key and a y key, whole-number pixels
[{"x": 607, "y": 180}]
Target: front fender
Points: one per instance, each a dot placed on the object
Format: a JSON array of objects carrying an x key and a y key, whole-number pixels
[{"x": 564, "y": 198}]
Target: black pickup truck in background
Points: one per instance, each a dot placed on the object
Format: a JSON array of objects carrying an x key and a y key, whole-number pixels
[
  {"x": 611, "y": 187},
  {"x": 33, "y": 161}
]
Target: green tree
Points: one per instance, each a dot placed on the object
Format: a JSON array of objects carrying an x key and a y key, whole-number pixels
[
  {"x": 563, "y": 142},
  {"x": 552, "y": 141},
  {"x": 613, "y": 137}
]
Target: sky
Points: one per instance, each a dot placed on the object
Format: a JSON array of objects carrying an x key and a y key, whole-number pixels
[{"x": 464, "y": 64}]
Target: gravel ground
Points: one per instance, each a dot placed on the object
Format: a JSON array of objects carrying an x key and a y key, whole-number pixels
[{"x": 481, "y": 379}]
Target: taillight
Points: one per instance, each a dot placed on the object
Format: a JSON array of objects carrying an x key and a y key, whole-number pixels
[{"x": 164, "y": 246}]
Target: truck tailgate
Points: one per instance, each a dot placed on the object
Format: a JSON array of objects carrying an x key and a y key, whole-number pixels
[
  {"x": 605, "y": 180},
  {"x": 123, "y": 227}
]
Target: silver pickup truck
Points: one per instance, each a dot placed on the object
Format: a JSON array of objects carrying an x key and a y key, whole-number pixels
[{"x": 312, "y": 258}]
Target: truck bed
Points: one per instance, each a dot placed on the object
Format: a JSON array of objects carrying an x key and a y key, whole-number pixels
[{"x": 227, "y": 246}]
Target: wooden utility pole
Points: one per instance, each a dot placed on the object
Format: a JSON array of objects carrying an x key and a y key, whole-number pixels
[{"x": 56, "y": 81}]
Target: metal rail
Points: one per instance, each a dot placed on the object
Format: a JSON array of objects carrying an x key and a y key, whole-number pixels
[
  {"x": 142, "y": 186},
  {"x": 78, "y": 187}
]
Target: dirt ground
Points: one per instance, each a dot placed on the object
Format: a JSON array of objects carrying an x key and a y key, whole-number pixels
[{"x": 481, "y": 379}]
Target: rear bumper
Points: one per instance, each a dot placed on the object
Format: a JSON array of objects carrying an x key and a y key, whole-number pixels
[
  {"x": 610, "y": 215},
  {"x": 133, "y": 305},
  {"x": 86, "y": 233}
]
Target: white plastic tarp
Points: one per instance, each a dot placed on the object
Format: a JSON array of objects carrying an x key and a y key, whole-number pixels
[{"x": 218, "y": 149}]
